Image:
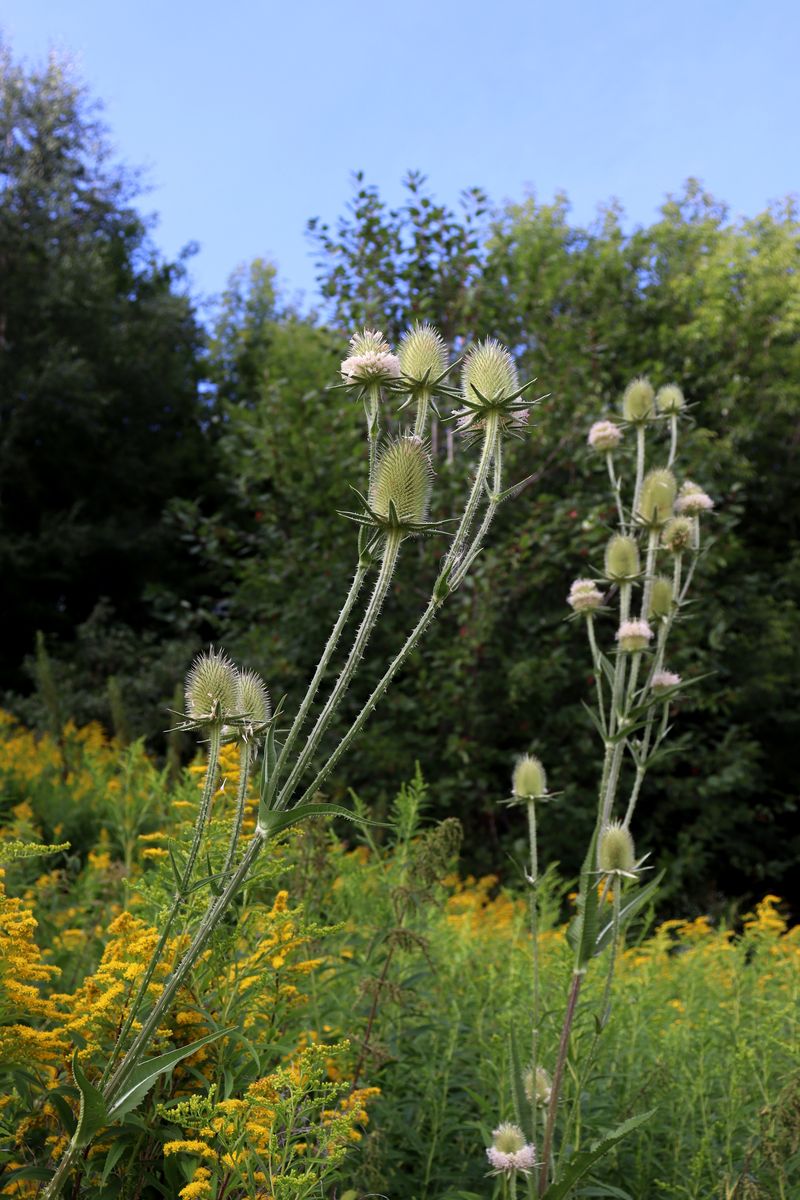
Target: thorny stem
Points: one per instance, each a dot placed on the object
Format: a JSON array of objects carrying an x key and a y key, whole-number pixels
[
  {"x": 534, "y": 884},
  {"x": 372, "y": 407},
  {"x": 612, "y": 958},
  {"x": 391, "y": 550},
  {"x": 613, "y": 750},
  {"x": 245, "y": 760},
  {"x": 598, "y": 671},
  {"x": 639, "y": 468},
  {"x": 209, "y": 787},
  {"x": 673, "y": 439},
  {"x": 566, "y": 1028},
  {"x": 616, "y": 487},
  {"x": 423, "y": 404}
]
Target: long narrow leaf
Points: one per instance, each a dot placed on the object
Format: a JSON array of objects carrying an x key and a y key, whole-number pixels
[
  {"x": 142, "y": 1078},
  {"x": 93, "y": 1114},
  {"x": 278, "y": 820},
  {"x": 581, "y": 1163}
]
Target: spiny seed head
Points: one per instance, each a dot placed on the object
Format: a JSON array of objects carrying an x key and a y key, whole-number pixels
[
  {"x": 211, "y": 687},
  {"x": 622, "y": 558},
  {"x": 403, "y": 474},
  {"x": 530, "y": 780},
  {"x": 604, "y": 435},
  {"x": 423, "y": 352},
  {"x": 661, "y": 598},
  {"x": 657, "y": 496},
  {"x": 539, "y": 1091},
  {"x": 670, "y": 399},
  {"x": 253, "y": 702},
  {"x": 490, "y": 369},
  {"x": 633, "y": 635},
  {"x": 584, "y": 596},
  {"x": 508, "y": 1138},
  {"x": 369, "y": 341},
  {"x": 637, "y": 400},
  {"x": 370, "y": 360},
  {"x": 677, "y": 535},
  {"x": 616, "y": 850}
]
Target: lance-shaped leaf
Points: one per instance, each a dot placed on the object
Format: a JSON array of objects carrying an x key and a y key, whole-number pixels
[
  {"x": 278, "y": 820},
  {"x": 142, "y": 1078},
  {"x": 582, "y": 1162},
  {"x": 93, "y": 1114},
  {"x": 269, "y": 779},
  {"x": 582, "y": 933}
]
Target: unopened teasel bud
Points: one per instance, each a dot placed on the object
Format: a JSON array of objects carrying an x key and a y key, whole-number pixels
[
  {"x": 489, "y": 370},
  {"x": 253, "y": 702},
  {"x": 637, "y": 400},
  {"x": 657, "y": 497},
  {"x": 211, "y": 687},
  {"x": 669, "y": 399},
  {"x": 540, "y": 1091},
  {"x": 422, "y": 353},
  {"x": 661, "y": 598},
  {"x": 530, "y": 780},
  {"x": 616, "y": 851},
  {"x": 403, "y": 475},
  {"x": 622, "y": 558}
]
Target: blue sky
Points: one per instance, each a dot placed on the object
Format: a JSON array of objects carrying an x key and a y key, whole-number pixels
[{"x": 249, "y": 117}]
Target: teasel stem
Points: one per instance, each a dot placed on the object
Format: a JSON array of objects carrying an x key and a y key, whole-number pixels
[
  {"x": 612, "y": 959},
  {"x": 423, "y": 405},
  {"x": 209, "y": 787},
  {"x": 647, "y": 591},
  {"x": 435, "y": 602},
  {"x": 488, "y": 451},
  {"x": 598, "y": 670},
  {"x": 566, "y": 1029},
  {"x": 245, "y": 762},
  {"x": 673, "y": 438},
  {"x": 534, "y": 850},
  {"x": 491, "y": 508},
  {"x": 391, "y": 550},
  {"x": 613, "y": 754},
  {"x": 364, "y": 564},
  {"x": 372, "y": 406},
  {"x": 640, "y": 430},
  {"x": 616, "y": 488}
]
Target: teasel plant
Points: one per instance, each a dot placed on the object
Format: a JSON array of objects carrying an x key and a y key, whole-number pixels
[
  {"x": 224, "y": 703},
  {"x": 642, "y": 590}
]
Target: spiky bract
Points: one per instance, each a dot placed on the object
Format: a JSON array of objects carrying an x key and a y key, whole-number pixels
[
  {"x": 423, "y": 353},
  {"x": 622, "y": 558},
  {"x": 211, "y": 688},
  {"x": 529, "y": 780},
  {"x": 670, "y": 399},
  {"x": 402, "y": 482},
  {"x": 657, "y": 497},
  {"x": 616, "y": 851},
  {"x": 637, "y": 400},
  {"x": 661, "y": 596}
]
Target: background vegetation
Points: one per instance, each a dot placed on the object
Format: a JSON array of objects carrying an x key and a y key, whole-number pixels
[{"x": 163, "y": 486}]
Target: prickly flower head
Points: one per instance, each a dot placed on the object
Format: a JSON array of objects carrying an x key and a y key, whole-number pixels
[
  {"x": 530, "y": 781},
  {"x": 604, "y": 435},
  {"x": 370, "y": 359},
  {"x": 661, "y": 596},
  {"x": 622, "y": 558},
  {"x": 677, "y": 535},
  {"x": 657, "y": 497},
  {"x": 509, "y": 1151},
  {"x": 634, "y": 635},
  {"x": 253, "y": 702},
  {"x": 541, "y": 1090},
  {"x": 423, "y": 353},
  {"x": 211, "y": 688},
  {"x": 616, "y": 851},
  {"x": 584, "y": 596},
  {"x": 637, "y": 400},
  {"x": 662, "y": 681},
  {"x": 692, "y": 500},
  {"x": 489, "y": 370},
  {"x": 669, "y": 399},
  {"x": 403, "y": 476}
]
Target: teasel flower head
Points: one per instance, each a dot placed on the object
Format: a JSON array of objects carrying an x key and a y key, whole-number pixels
[
  {"x": 400, "y": 490},
  {"x": 633, "y": 636},
  {"x": 529, "y": 780},
  {"x": 678, "y": 534},
  {"x": 605, "y": 436},
  {"x": 211, "y": 689},
  {"x": 622, "y": 558},
  {"x": 616, "y": 854},
  {"x": 692, "y": 500},
  {"x": 661, "y": 598},
  {"x": 670, "y": 399},
  {"x": 370, "y": 360},
  {"x": 538, "y": 1092},
  {"x": 584, "y": 596},
  {"x": 657, "y": 497},
  {"x": 664, "y": 681},
  {"x": 253, "y": 704},
  {"x": 510, "y": 1152},
  {"x": 637, "y": 401},
  {"x": 423, "y": 356},
  {"x": 490, "y": 384}
]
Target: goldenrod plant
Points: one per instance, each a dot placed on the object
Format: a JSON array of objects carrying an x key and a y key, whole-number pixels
[
  {"x": 225, "y": 704},
  {"x": 641, "y": 590}
]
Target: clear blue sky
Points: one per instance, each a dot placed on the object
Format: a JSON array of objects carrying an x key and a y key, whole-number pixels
[{"x": 249, "y": 117}]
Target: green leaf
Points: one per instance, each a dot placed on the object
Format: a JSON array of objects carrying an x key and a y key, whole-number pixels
[
  {"x": 112, "y": 1158},
  {"x": 582, "y": 934},
  {"x": 584, "y": 1160},
  {"x": 142, "y": 1078},
  {"x": 93, "y": 1114},
  {"x": 278, "y": 821},
  {"x": 269, "y": 783}
]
